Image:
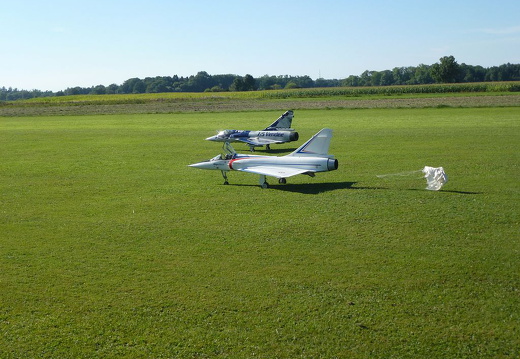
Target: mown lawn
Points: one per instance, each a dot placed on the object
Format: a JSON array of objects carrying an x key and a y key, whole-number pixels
[{"x": 110, "y": 246}]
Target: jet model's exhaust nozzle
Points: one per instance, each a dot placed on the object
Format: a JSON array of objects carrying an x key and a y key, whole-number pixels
[
  {"x": 332, "y": 164},
  {"x": 294, "y": 136}
]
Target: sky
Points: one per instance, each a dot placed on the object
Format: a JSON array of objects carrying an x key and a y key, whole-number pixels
[{"x": 57, "y": 44}]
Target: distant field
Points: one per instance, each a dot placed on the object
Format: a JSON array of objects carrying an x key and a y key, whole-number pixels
[
  {"x": 111, "y": 247},
  {"x": 458, "y": 88},
  {"x": 414, "y": 96}
]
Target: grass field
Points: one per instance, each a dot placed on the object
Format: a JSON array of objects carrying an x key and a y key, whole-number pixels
[
  {"x": 486, "y": 94},
  {"x": 111, "y": 247}
]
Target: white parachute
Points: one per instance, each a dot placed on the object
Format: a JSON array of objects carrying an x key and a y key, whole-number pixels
[{"x": 435, "y": 176}]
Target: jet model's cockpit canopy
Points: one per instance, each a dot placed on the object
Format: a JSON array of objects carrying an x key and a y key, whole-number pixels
[
  {"x": 226, "y": 133},
  {"x": 228, "y": 150},
  {"x": 228, "y": 153},
  {"x": 216, "y": 158}
]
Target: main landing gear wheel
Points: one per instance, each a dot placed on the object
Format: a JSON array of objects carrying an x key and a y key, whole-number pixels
[
  {"x": 225, "y": 177},
  {"x": 265, "y": 185},
  {"x": 282, "y": 181}
]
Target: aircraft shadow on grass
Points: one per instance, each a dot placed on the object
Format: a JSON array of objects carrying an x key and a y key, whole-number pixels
[
  {"x": 447, "y": 191},
  {"x": 313, "y": 188},
  {"x": 460, "y": 192},
  {"x": 316, "y": 188}
]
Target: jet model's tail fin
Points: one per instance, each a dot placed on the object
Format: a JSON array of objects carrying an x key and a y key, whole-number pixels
[
  {"x": 284, "y": 121},
  {"x": 318, "y": 145}
]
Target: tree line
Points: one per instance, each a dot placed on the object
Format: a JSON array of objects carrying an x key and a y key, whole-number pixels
[{"x": 447, "y": 70}]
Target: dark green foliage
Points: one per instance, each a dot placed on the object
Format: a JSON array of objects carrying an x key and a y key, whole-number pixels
[
  {"x": 248, "y": 83},
  {"x": 447, "y": 71}
]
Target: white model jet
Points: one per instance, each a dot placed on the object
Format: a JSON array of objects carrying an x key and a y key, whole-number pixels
[
  {"x": 279, "y": 131},
  {"x": 309, "y": 158}
]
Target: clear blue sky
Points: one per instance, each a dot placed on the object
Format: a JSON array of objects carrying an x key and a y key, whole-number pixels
[{"x": 55, "y": 44}]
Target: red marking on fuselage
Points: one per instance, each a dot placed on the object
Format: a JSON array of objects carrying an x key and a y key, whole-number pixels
[{"x": 230, "y": 164}]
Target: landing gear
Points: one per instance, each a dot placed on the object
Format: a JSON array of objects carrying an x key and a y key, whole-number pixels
[
  {"x": 268, "y": 147},
  {"x": 282, "y": 181},
  {"x": 225, "y": 177},
  {"x": 262, "y": 182}
]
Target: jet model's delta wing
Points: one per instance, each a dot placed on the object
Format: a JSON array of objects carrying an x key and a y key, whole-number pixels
[
  {"x": 279, "y": 131},
  {"x": 309, "y": 158}
]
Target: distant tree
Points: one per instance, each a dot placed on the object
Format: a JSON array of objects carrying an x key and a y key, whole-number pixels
[
  {"x": 446, "y": 71},
  {"x": 249, "y": 83},
  {"x": 266, "y": 82},
  {"x": 321, "y": 82},
  {"x": 98, "y": 90},
  {"x": 387, "y": 78},
  {"x": 158, "y": 84},
  {"x": 351, "y": 81},
  {"x": 133, "y": 85},
  {"x": 139, "y": 87},
  {"x": 366, "y": 78},
  {"x": 508, "y": 72},
  {"x": 303, "y": 81},
  {"x": 422, "y": 75},
  {"x": 112, "y": 89},
  {"x": 470, "y": 73},
  {"x": 237, "y": 85},
  {"x": 223, "y": 81},
  {"x": 375, "y": 78},
  {"x": 76, "y": 91},
  {"x": 200, "y": 82},
  {"x": 402, "y": 75}
]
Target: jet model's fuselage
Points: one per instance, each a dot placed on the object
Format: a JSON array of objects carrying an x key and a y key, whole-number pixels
[
  {"x": 314, "y": 164},
  {"x": 237, "y": 135}
]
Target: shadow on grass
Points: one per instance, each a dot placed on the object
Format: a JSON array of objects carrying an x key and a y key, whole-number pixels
[
  {"x": 460, "y": 192},
  {"x": 447, "y": 191},
  {"x": 316, "y": 188},
  {"x": 313, "y": 188}
]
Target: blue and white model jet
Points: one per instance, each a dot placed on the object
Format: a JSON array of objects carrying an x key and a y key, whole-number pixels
[
  {"x": 279, "y": 131},
  {"x": 309, "y": 158}
]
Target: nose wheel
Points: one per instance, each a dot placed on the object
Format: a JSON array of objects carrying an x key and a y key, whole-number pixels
[{"x": 225, "y": 177}]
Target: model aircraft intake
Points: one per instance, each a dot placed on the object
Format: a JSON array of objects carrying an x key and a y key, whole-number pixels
[
  {"x": 279, "y": 131},
  {"x": 308, "y": 159}
]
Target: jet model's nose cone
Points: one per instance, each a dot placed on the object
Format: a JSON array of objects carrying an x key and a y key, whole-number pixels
[
  {"x": 203, "y": 165},
  {"x": 212, "y": 138}
]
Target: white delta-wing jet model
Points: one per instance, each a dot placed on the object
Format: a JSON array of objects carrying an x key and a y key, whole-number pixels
[
  {"x": 279, "y": 131},
  {"x": 309, "y": 158}
]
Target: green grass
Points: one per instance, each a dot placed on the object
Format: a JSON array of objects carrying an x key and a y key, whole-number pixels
[{"x": 110, "y": 246}]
